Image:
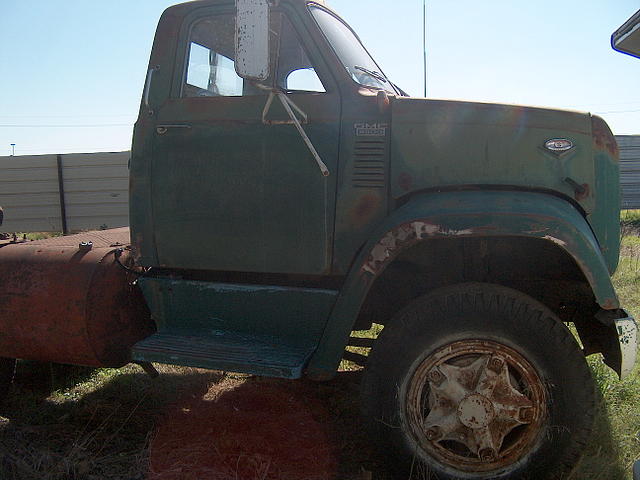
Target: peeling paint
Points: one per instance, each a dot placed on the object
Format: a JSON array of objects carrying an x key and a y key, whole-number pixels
[
  {"x": 627, "y": 336},
  {"x": 406, "y": 233},
  {"x": 555, "y": 240}
]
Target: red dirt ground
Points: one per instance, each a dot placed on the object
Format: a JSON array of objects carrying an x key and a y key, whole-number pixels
[{"x": 244, "y": 430}]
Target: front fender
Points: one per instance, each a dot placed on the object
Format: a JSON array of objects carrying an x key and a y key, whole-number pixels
[{"x": 457, "y": 214}]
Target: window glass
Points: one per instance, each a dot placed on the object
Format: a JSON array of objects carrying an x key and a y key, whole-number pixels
[
  {"x": 295, "y": 71},
  {"x": 210, "y": 67},
  {"x": 303, "y": 79},
  {"x": 211, "y": 73},
  {"x": 362, "y": 68}
]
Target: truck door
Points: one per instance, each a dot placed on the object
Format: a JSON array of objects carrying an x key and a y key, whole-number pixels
[{"x": 231, "y": 192}]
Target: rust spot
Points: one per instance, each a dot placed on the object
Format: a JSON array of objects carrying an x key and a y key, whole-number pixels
[
  {"x": 584, "y": 193},
  {"x": 403, "y": 236},
  {"x": 74, "y": 307},
  {"x": 488, "y": 408},
  {"x": 610, "y": 304},
  {"x": 405, "y": 181},
  {"x": 603, "y": 139},
  {"x": 364, "y": 209}
]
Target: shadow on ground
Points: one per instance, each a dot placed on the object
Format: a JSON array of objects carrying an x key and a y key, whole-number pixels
[{"x": 195, "y": 424}]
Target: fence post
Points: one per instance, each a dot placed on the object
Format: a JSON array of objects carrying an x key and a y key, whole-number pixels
[{"x": 63, "y": 207}]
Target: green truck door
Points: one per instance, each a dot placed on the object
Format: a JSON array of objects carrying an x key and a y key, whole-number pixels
[{"x": 232, "y": 192}]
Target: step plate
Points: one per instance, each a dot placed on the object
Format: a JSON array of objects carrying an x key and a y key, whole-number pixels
[{"x": 223, "y": 351}]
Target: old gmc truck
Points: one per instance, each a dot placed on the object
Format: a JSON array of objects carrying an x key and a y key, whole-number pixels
[{"x": 285, "y": 193}]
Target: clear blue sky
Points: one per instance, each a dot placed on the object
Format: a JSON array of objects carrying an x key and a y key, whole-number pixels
[{"x": 76, "y": 67}]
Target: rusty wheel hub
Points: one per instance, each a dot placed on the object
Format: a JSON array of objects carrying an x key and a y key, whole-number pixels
[{"x": 476, "y": 405}]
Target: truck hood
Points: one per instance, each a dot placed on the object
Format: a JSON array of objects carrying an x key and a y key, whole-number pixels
[{"x": 437, "y": 144}]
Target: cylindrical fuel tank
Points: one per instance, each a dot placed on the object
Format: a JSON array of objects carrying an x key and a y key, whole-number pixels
[{"x": 66, "y": 300}]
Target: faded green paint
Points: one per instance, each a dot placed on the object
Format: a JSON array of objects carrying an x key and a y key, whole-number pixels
[
  {"x": 362, "y": 199},
  {"x": 459, "y": 214},
  {"x": 604, "y": 218},
  {"x": 438, "y": 144},
  {"x": 447, "y": 144},
  {"x": 253, "y": 317},
  {"x": 261, "y": 207},
  {"x": 258, "y": 182}
]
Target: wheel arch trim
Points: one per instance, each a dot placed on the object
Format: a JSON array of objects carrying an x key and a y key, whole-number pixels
[{"x": 461, "y": 214}]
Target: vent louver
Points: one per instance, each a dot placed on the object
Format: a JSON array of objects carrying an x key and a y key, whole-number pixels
[{"x": 369, "y": 166}]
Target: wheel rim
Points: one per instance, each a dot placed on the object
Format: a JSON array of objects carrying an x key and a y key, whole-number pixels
[{"x": 476, "y": 406}]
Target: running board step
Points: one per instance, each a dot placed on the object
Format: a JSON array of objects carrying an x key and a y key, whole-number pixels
[{"x": 224, "y": 351}]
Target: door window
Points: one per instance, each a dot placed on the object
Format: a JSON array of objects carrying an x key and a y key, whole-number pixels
[
  {"x": 295, "y": 71},
  {"x": 210, "y": 69},
  {"x": 210, "y": 64}
]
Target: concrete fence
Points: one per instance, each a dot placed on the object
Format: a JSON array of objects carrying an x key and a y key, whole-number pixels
[
  {"x": 630, "y": 170},
  {"x": 55, "y": 193}
]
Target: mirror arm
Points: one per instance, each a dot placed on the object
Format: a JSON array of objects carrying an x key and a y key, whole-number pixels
[
  {"x": 267, "y": 107},
  {"x": 286, "y": 103},
  {"x": 289, "y": 107}
]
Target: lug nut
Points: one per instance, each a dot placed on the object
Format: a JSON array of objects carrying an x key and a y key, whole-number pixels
[
  {"x": 433, "y": 433},
  {"x": 487, "y": 454},
  {"x": 495, "y": 364},
  {"x": 436, "y": 377}
]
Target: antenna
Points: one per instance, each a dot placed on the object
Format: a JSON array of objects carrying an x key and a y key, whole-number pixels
[{"x": 424, "y": 43}]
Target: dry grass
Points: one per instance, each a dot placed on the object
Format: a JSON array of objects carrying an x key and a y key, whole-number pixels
[{"x": 188, "y": 424}]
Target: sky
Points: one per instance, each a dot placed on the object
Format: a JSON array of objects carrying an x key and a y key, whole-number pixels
[{"x": 72, "y": 71}]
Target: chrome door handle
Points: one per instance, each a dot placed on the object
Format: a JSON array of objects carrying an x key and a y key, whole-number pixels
[{"x": 162, "y": 129}]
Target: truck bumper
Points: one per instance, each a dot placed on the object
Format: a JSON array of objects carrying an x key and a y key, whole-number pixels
[{"x": 627, "y": 329}]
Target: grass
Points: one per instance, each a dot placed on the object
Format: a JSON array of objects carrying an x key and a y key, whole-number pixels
[
  {"x": 72, "y": 423},
  {"x": 616, "y": 443}
]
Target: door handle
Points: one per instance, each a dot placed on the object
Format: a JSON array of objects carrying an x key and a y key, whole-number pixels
[{"x": 162, "y": 129}]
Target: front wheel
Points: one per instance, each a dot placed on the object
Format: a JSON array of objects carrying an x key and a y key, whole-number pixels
[{"x": 479, "y": 381}]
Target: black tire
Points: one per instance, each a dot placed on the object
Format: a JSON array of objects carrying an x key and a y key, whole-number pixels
[
  {"x": 479, "y": 381},
  {"x": 7, "y": 372}
]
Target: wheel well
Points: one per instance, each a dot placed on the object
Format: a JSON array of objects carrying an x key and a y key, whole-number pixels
[{"x": 534, "y": 266}]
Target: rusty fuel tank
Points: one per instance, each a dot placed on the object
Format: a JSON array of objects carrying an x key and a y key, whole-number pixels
[{"x": 66, "y": 300}]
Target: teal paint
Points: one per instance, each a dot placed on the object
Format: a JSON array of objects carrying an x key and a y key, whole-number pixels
[
  {"x": 264, "y": 330},
  {"x": 294, "y": 316}
]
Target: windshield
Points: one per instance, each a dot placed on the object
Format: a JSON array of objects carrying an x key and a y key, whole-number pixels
[{"x": 352, "y": 54}]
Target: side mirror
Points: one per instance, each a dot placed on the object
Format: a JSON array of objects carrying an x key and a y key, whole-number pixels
[
  {"x": 252, "y": 39},
  {"x": 626, "y": 39}
]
